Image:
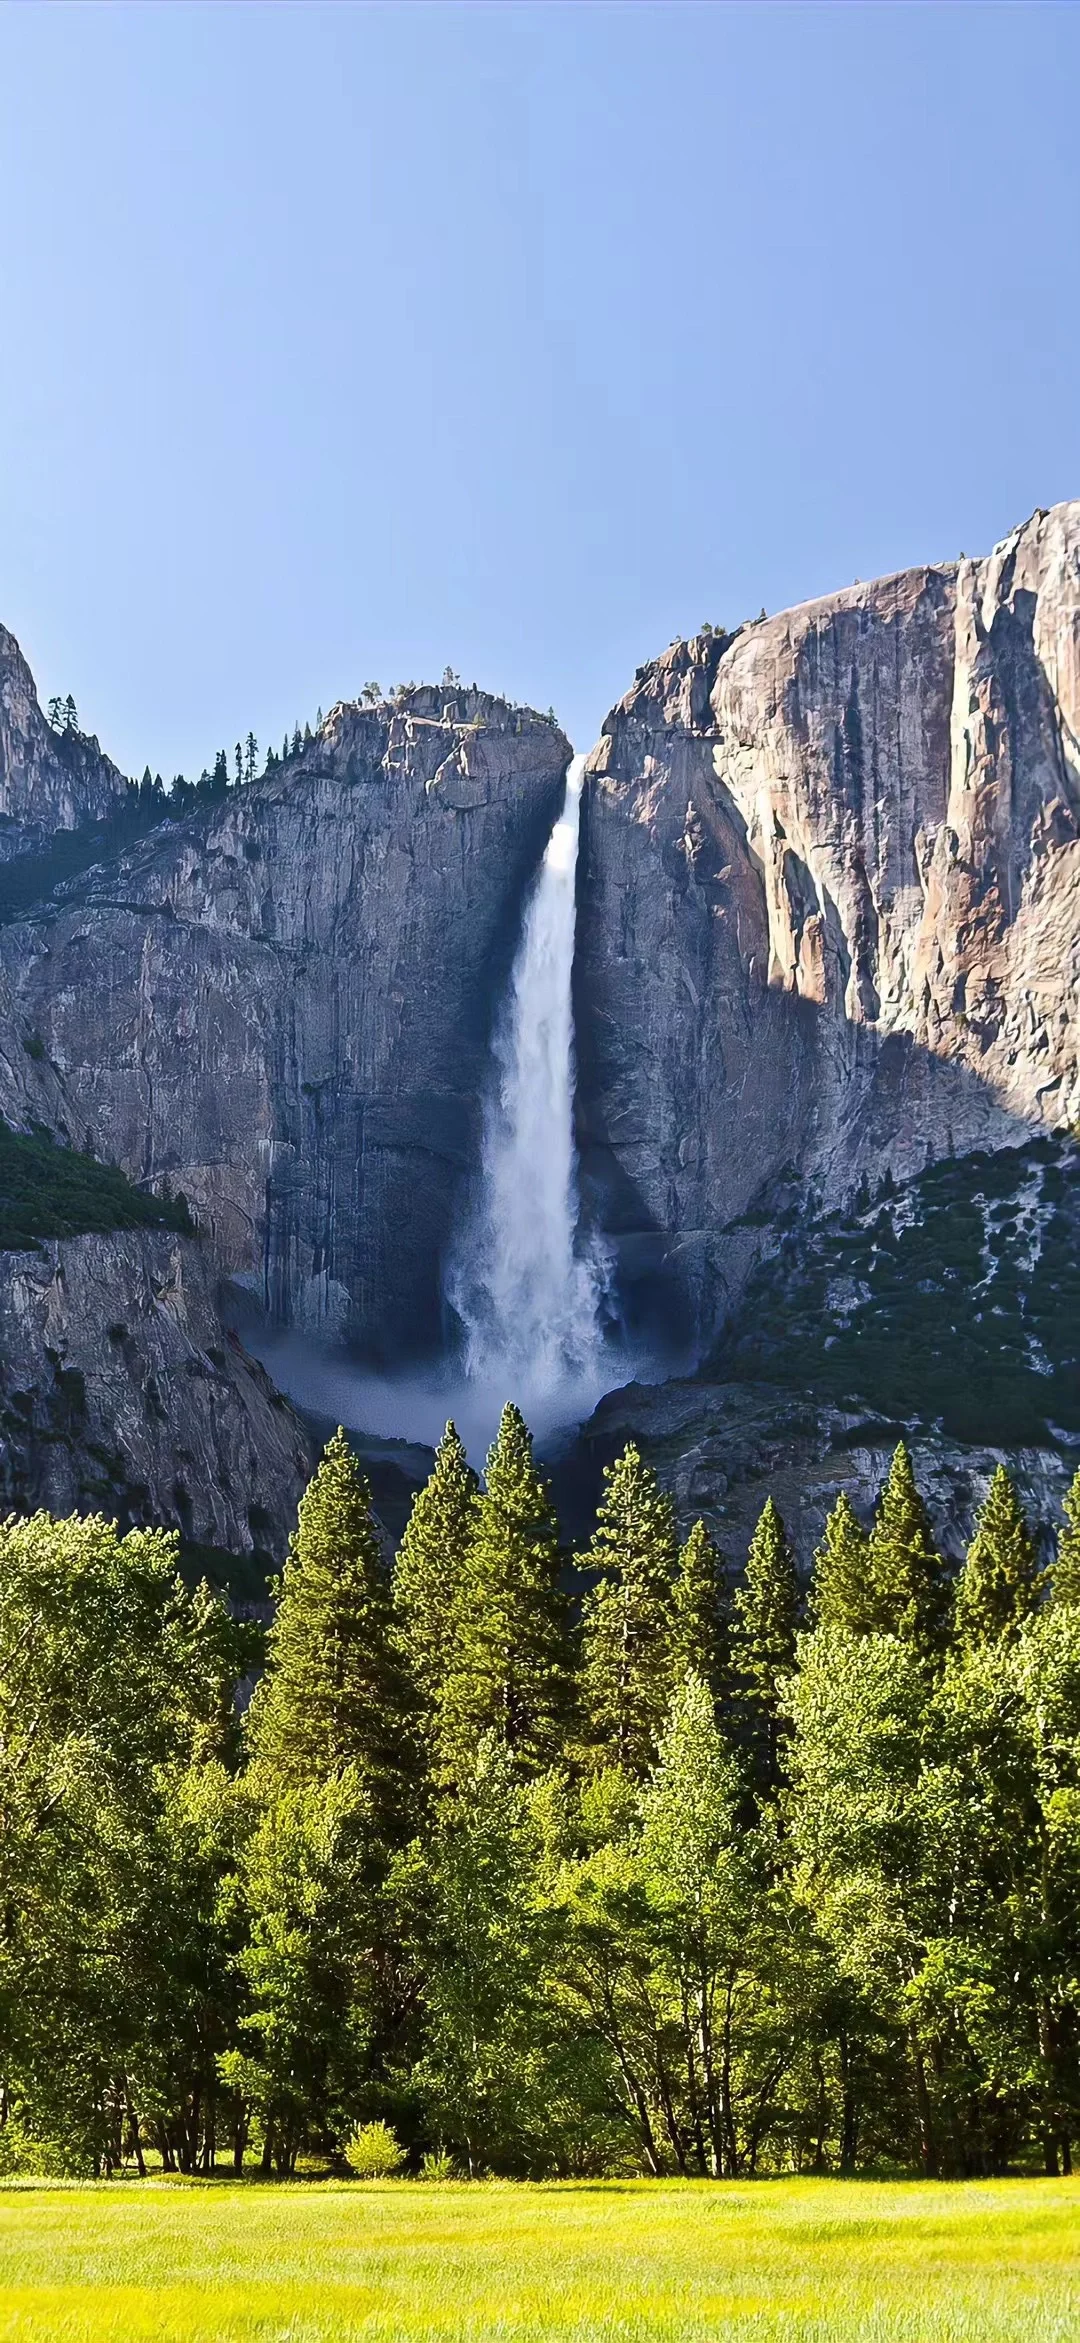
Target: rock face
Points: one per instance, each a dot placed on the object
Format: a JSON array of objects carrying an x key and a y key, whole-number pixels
[
  {"x": 830, "y": 907},
  {"x": 722, "y": 1448},
  {"x": 828, "y": 931},
  {"x": 284, "y": 1007},
  {"x": 120, "y": 1394},
  {"x": 48, "y": 780}
]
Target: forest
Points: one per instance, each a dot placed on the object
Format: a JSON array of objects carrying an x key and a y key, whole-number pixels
[{"x": 506, "y": 1860}]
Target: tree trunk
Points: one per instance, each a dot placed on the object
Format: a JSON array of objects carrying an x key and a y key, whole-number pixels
[{"x": 928, "y": 2152}]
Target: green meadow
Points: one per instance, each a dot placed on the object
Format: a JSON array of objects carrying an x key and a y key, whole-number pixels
[{"x": 668, "y": 2262}]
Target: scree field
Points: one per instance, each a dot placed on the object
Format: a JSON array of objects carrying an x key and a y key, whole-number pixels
[{"x": 808, "y": 2262}]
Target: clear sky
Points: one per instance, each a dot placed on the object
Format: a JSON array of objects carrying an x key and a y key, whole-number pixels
[{"x": 341, "y": 343}]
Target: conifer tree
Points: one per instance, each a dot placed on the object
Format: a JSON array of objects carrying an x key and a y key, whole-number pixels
[
  {"x": 430, "y": 1568},
  {"x": 997, "y": 1584},
  {"x": 908, "y": 1589},
  {"x": 839, "y": 1593},
  {"x": 701, "y": 1623},
  {"x": 763, "y": 1641},
  {"x": 628, "y": 1618},
  {"x": 331, "y": 1698},
  {"x": 510, "y": 1667},
  {"x": 1064, "y": 1572}
]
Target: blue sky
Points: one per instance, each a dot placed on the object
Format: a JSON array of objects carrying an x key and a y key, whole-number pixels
[{"x": 346, "y": 342}]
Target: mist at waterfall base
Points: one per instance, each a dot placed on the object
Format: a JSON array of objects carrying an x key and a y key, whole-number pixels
[{"x": 529, "y": 1288}]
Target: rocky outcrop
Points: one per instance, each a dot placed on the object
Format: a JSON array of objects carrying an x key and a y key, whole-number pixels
[
  {"x": 722, "y": 1448},
  {"x": 284, "y": 1007},
  {"x": 120, "y": 1393},
  {"x": 830, "y": 907},
  {"x": 49, "y": 780}
]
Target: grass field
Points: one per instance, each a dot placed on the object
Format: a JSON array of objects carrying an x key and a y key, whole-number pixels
[{"x": 772, "y": 2262}]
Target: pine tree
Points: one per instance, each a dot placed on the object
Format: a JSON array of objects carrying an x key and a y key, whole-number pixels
[
  {"x": 71, "y": 715},
  {"x": 701, "y": 1621},
  {"x": 763, "y": 1641},
  {"x": 997, "y": 1584},
  {"x": 1064, "y": 1573},
  {"x": 239, "y": 754},
  {"x": 628, "y": 1618},
  {"x": 908, "y": 1589},
  {"x": 251, "y": 757},
  {"x": 331, "y": 1697},
  {"x": 220, "y": 780},
  {"x": 510, "y": 1670},
  {"x": 430, "y": 1568},
  {"x": 839, "y": 1593},
  {"x": 55, "y": 712}
]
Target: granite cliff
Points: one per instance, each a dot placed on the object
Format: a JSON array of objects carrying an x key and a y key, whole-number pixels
[
  {"x": 121, "y": 1394},
  {"x": 49, "y": 780},
  {"x": 283, "y": 1007},
  {"x": 828, "y": 937},
  {"x": 830, "y": 907}
]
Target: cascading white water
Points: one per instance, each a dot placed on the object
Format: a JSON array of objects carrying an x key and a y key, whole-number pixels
[{"x": 526, "y": 1289}]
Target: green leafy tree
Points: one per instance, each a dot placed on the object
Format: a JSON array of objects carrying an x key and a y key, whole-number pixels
[
  {"x": 997, "y": 1585},
  {"x": 701, "y": 1615},
  {"x": 510, "y": 1671},
  {"x": 114, "y": 1681},
  {"x": 839, "y": 1592},
  {"x": 704, "y": 1878},
  {"x": 483, "y": 2071},
  {"x": 763, "y": 1641},
  {"x": 859, "y": 1828},
  {"x": 1065, "y": 1570},
  {"x": 312, "y": 1921},
  {"x": 430, "y": 1570},
  {"x": 628, "y": 1617},
  {"x": 332, "y": 1698},
  {"x": 907, "y": 1580}
]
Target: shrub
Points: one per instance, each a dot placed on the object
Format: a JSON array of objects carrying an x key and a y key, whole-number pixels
[
  {"x": 438, "y": 2165},
  {"x": 374, "y": 2153}
]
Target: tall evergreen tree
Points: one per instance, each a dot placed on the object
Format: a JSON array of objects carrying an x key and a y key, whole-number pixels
[
  {"x": 629, "y": 1616},
  {"x": 510, "y": 1671},
  {"x": 331, "y": 1698},
  {"x": 763, "y": 1642},
  {"x": 1064, "y": 1572},
  {"x": 701, "y": 1616},
  {"x": 839, "y": 1592},
  {"x": 430, "y": 1570},
  {"x": 997, "y": 1584},
  {"x": 907, "y": 1581}
]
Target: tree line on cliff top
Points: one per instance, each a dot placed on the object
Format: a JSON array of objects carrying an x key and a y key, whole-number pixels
[{"x": 499, "y": 1875}]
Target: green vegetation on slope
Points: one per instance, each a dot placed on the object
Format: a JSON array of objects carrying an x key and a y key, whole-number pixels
[
  {"x": 790, "y": 2262},
  {"x": 955, "y": 1299},
  {"x": 47, "y": 1190}
]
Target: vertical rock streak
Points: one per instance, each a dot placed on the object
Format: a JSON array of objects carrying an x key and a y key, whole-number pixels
[{"x": 526, "y": 1289}]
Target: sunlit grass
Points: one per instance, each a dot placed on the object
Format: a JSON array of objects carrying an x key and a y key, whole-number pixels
[{"x": 776, "y": 2262}]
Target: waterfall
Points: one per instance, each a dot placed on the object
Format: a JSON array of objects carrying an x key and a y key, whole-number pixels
[{"x": 526, "y": 1288}]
